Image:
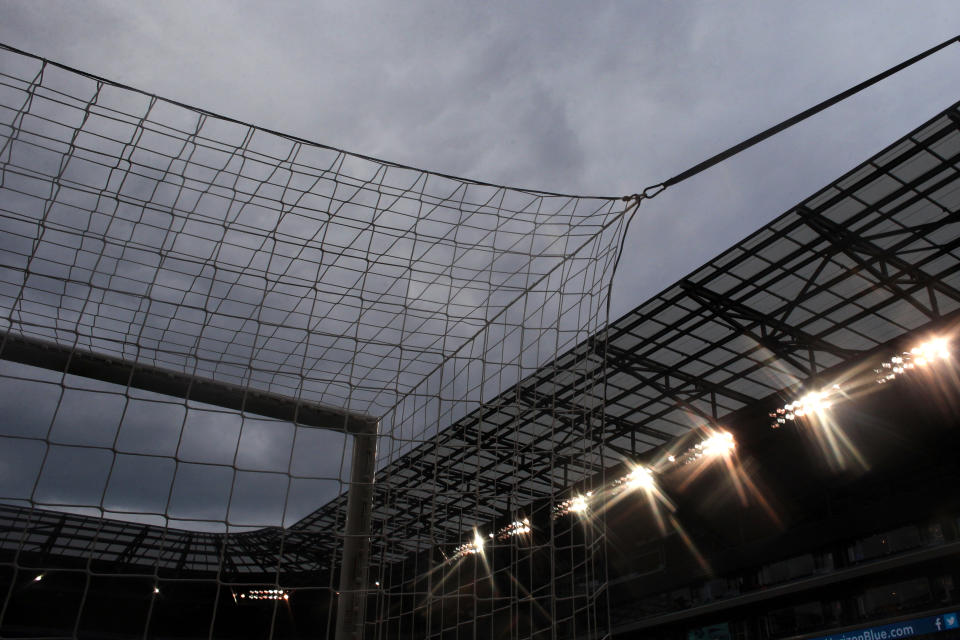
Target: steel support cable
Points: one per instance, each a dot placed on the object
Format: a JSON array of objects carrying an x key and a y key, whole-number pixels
[{"x": 656, "y": 189}]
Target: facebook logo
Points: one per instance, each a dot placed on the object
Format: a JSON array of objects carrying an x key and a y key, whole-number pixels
[{"x": 950, "y": 621}]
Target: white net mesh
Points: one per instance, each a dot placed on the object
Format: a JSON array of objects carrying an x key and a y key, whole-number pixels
[{"x": 196, "y": 312}]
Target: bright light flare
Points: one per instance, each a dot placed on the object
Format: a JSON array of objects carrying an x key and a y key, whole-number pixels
[
  {"x": 926, "y": 354},
  {"x": 813, "y": 403},
  {"x": 816, "y": 401},
  {"x": 923, "y": 356},
  {"x": 719, "y": 444},
  {"x": 470, "y": 548},
  {"x": 577, "y": 504},
  {"x": 38, "y": 578},
  {"x": 931, "y": 351},
  {"x": 640, "y": 478},
  {"x": 715, "y": 444}
]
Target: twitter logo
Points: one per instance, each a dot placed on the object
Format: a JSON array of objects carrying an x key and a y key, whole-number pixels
[{"x": 950, "y": 621}]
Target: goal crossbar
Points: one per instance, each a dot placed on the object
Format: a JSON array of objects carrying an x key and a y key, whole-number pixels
[{"x": 98, "y": 366}]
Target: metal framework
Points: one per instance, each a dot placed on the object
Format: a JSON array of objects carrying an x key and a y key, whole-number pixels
[{"x": 870, "y": 258}]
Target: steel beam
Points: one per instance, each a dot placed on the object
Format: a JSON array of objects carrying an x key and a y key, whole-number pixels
[
  {"x": 731, "y": 310},
  {"x": 67, "y": 359},
  {"x": 856, "y": 246}
]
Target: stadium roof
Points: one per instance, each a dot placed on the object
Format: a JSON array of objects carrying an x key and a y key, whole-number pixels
[{"x": 868, "y": 259}]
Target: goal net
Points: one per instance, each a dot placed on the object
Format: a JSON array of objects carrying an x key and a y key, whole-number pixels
[{"x": 254, "y": 386}]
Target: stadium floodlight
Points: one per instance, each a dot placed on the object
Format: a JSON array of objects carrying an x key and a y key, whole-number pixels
[
  {"x": 639, "y": 478},
  {"x": 576, "y": 504},
  {"x": 924, "y": 355},
  {"x": 515, "y": 528},
  {"x": 815, "y": 401},
  {"x": 469, "y": 548},
  {"x": 719, "y": 444},
  {"x": 931, "y": 351},
  {"x": 812, "y": 403}
]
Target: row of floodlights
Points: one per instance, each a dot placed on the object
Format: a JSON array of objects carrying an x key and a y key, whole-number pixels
[
  {"x": 721, "y": 443},
  {"x": 265, "y": 594},
  {"x": 717, "y": 444},
  {"x": 516, "y": 528},
  {"x": 639, "y": 478},
  {"x": 925, "y": 355},
  {"x": 250, "y": 594}
]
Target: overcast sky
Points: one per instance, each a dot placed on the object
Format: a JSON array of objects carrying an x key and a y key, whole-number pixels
[
  {"x": 595, "y": 98},
  {"x": 587, "y": 98}
]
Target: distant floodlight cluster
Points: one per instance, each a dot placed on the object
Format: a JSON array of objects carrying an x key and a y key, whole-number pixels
[
  {"x": 811, "y": 403},
  {"x": 716, "y": 444},
  {"x": 471, "y": 548},
  {"x": 575, "y": 504},
  {"x": 515, "y": 528},
  {"x": 924, "y": 355},
  {"x": 721, "y": 443},
  {"x": 265, "y": 594},
  {"x": 927, "y": 354},
  {"x": 638, "y": 478}
]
